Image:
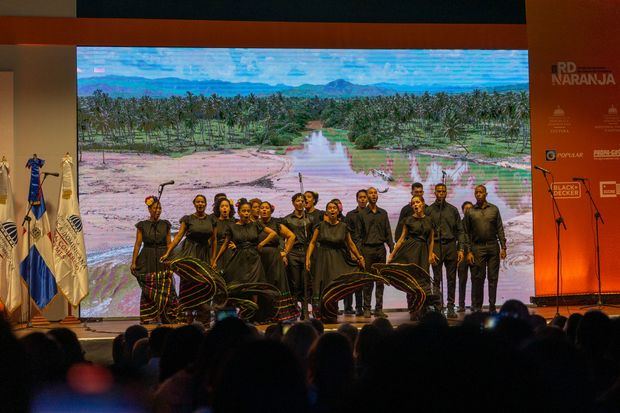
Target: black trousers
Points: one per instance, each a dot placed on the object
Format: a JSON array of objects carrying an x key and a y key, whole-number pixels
[
  {"x": 447, "y": 257},
  {"x": 373, "y": 255},
  {"x": 297, "y": 275},
  {"x": 348, "y": 301},
  {"x": 463, "y": 270},
  {"x": 486, "y": 264}
]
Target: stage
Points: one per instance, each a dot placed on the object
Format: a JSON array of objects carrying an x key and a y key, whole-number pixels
[{"x": 96, "y": 336}]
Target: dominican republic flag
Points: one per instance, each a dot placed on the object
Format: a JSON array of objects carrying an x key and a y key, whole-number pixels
[
  {"x": 10, "y": 283},
  {"x": 37, "y": 267},
  {"x": 69, "y": 250}
]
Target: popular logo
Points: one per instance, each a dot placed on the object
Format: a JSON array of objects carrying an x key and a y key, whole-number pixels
[
  {"x": 566, "y": 190},
  {"x": 609, "y": 189},
  {"x": 569, "y": 74},
  {"x": 554, "y": 155}
]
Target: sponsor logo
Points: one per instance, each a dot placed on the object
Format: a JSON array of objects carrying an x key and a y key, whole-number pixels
[
  {"x": 569, "y": 74},
  {"x": 609, "y": 189},
  {"x": 554, "y": 155},
  {"x": 566, "y": 190},
  {"x": 606, "y": 154}
]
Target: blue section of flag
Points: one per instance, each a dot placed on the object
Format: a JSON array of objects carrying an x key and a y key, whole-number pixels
[
  {"x": 35, "y": 194},
  {"x": 39, "y": 278}
]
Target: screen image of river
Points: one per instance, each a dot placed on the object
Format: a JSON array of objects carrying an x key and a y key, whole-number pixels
[{"x": 247, "y": 122}]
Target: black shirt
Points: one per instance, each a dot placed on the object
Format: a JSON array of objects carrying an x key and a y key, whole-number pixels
[
  {"x": 315, "y": 217},
  {"x": 447, "y": 223},
  {"x": 354, "y": 225},
  {"x": 301, "y": 227},
  {"x": 375, "y": 227},
  {"x": 483, "y": 224}
]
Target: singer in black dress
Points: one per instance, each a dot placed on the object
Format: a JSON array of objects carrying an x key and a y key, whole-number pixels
[
  {"x": 223, "y": 212},
  {"x": 274, "y": 259},
  {"x": 333, "y": 245},
  {"x": 158, "y": 301},
  {"x": 415, "y": 245},
  {"x": 199, "y": 241},
  {"x": 245, "y": 265}
]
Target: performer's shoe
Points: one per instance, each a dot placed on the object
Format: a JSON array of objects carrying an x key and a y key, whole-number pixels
[
  {"x": 379, "y": 313},
  {"x": 359, "y": 312},
  {"x": 450, "y": 313},
  {"x": 366, "y": 314},
  {"x": 492, "y": 310},
  {"x": 461, "y": 309},
  {"x": 340, "y": 312},
  {"x": 414, "y": 317},
  {"x": 349, "y": 311}
]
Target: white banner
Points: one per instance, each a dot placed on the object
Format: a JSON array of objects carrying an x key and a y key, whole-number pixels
[
  {"x": 69, "y": 250},
  {"x": 10, "y": 280}
]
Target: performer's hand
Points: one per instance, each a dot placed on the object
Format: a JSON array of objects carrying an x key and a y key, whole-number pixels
[
  {"x": 432, "y": 258},
  {"x": 259, "y": 247},
  {"x": 213, "y": 264},
  {"x": 307, "y": 265},
  {"x": 459, "y": 257},
  {"x": 163, "y": 257},
  {"x": 132, "y": 268},
  {"x": 284, "y": 259},
  {"x": 231, "y": 245},
  {"x": 390, "y": 257},
  {"x": 470, "y": 258},
  {"x": 362, "y": 262},
  {"x": 502, "y": 254}
]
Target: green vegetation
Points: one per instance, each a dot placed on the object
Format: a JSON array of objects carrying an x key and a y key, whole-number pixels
[{"x": 494, "y": 125}]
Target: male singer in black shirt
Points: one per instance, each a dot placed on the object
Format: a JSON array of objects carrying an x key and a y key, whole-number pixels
[
  {"x": 448, "y": 246},
  {"x": 484, "y": 230},
  {"x": 376, "y": 233},
  {"x": 352, "y": 220}
]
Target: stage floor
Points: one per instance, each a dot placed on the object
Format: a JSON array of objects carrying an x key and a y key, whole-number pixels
[{"x": 96, "y": 337}]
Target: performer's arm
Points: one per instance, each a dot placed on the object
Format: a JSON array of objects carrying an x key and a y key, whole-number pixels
[
  {"x": 289, "y": 236},
  {"x": 432, "y": 258},
  {"x": 501, "y": 236},
  {"x": 311, "y": 246},
  {"x": 222, "y": 250},
  {"x": 213, "y": 246},
  {"x": 175, "y": 241},
  {"x": 467, "y": 236},
  {"x": 388, "y": 235},
  {"x": 136, "y": 250},
  {"x": 355, "y": 251},
  {"x": 399, "y": 244},
  {"x": 271, "y": 234},
  {"x": 460, "y": 236}
]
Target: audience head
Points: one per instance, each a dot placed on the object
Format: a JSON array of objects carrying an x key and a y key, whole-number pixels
[
  {"x": 514, "y": 309},
  {"x": 157, "y": 340},
  {"x": 69, "y": 344},
  {"x": 350, "y": 332},
  {"x": 180, "y": 350},
  {"x": 593, "y": 333},
  {"x": 300, "y": 337}
]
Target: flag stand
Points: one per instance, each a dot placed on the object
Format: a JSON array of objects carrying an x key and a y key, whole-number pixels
[{"x": 70, "y": 319}]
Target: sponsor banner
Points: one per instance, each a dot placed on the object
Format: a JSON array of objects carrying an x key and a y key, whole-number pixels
[
  {"x": 566, "y": 190},
  {"x": 574, "y": 118}
]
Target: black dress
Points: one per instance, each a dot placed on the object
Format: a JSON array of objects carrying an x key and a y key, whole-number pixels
[
  {"x": 244, "y": 265},
  {"x": 275, "y": 274},
  {"x": 330, "y": 257},
  {"x": 158, "y": 301},
  {"x": 196, "y": 244},
  {"x": 222, "y": 230}
]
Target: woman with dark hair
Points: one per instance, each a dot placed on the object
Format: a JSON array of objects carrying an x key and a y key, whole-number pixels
[
  {"x": 158, "y": 301},
  {"x": 415, "y": 246},
  {"x": 245, "y": 266},
  {"x": 274, "y": 260},
  {"x": 340, "y": 208},
  {"x": 334, "y": 247},
  {"x": 255, "y": 207},
  {"x": 199, "y": 230},
  {"x": 224, "y": 213}
]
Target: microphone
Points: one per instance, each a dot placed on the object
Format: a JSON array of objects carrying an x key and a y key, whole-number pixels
[
  {"x": 576, "y": 178},
  {"x": 171, "y": 182},
  {"x": 51, "y": 173},
  {"x": 443, "y": 172},
  {"x": 543, "y": 170}
]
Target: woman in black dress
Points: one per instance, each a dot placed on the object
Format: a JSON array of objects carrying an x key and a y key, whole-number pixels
[
  {"x": 243, "y": 237},
  {"x": 223, "y": 212},
  {"x": 158, "y": 301},
  {"x": 334, "y": 244},
  {"x": 199, "y": 231},
  {"x": 415, "y": 245},
  {"x": 274, "y": 259}
]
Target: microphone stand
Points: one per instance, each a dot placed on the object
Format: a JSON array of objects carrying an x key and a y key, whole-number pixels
[
  {"x": 559, "y": 222},
  {"x": 26, "y": 221},
  {"x": 597, "y": 217}
]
